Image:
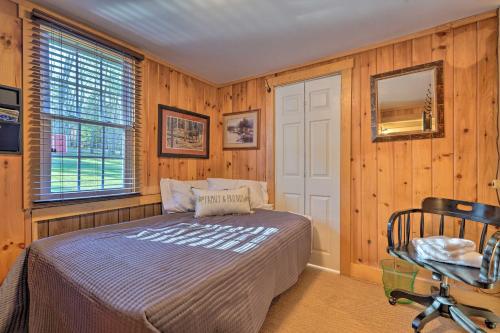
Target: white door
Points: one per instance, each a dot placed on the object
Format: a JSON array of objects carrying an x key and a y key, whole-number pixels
[
  {"x": 289, "y": 108},
  {"x": 308, "y": 160},
  {"x": 322, "y": 176}
]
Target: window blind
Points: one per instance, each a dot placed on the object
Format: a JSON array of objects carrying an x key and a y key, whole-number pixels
[{"x": 84, "y": 117}]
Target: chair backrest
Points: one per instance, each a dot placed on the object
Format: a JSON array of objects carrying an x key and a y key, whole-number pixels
[
  {"x": 472, "y": 211},
  {"x": 487, "y": 215},
  {"x": 467, "y": 211}
]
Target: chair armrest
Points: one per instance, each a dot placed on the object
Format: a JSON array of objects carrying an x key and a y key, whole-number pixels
[
  {"x": 396, "y": 217},
  {"x": 491, "y": 260}
]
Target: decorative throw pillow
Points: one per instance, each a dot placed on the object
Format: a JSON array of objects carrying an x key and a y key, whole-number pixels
[
  {"x": 258, "y": 190},
  {"x": 209, "y": 203},
  {"x": 177, "y": 196}
]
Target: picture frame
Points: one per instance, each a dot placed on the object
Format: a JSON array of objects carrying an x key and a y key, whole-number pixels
[
  {"x": 241, "y": 130},
  {"x": 182, "y": 133}
]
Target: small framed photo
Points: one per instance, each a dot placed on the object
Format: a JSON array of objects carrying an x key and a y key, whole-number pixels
[
  {"x": 182, "y": 133},
  {"x": 241, "y": 130}
]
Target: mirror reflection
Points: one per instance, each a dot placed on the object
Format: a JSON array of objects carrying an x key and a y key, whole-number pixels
[{"x": 406, "y": 103}]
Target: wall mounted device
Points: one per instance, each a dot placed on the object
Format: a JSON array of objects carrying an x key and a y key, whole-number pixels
[{"x": 10, "y": 120}]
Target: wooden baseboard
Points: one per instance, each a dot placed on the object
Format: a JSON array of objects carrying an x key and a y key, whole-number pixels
[
  {"x": 321, "y": 268},
  {"x": 374, "y": 275},
  {"x": 422, "y": 282},
  {"x": 366, "y": 273}
]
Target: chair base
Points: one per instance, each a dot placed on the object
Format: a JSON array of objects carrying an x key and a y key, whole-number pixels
[{"x": 440, "y": 304}]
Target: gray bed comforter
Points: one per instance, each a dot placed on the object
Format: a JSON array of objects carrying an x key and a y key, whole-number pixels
[{"x": 169, "y": 273}]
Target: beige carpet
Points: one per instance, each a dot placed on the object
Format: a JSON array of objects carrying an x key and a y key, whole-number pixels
[{"x": 326, "y": 302}]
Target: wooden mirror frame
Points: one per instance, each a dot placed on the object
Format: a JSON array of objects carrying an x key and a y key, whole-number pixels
[{"x": 439, "y": 91}]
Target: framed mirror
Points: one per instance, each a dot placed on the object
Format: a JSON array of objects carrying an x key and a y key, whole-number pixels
[{"x": 408, "y": 103}]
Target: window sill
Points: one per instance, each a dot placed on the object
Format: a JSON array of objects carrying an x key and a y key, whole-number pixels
[
  {"x": 52, "y": 210},
  {"x": 82, "y": 200}
]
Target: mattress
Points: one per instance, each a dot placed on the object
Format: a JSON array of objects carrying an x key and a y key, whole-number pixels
[{"x": 169, "y": 273}]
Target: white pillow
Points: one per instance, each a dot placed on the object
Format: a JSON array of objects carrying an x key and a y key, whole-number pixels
[
  {"x": 268, "y": 207},
  {"x": 209, "y": 203},
  {"x": 258, "y": 190},
  {"x": 177, "y": 196}
]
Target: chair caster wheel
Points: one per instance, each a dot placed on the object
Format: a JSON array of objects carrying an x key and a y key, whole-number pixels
[
  {"x": 393, "y": 301},
  {"x": 491, "y": 325}
]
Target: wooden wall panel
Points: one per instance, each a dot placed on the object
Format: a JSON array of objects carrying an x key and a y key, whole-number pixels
[
  {"x": 87, "y": 221},
  {"x": 252, "y": 163},
  {"x": 356, "y": 164},
  {"x": 240, "y": 169},
  {"x": 260, "y": 103},
  {"x": 153, "y": 83},
  {"x": 403, "y": 156},
  {"x": 157, "y": 209},
  {"x": 225, "y": 97},
  {"x": 124, "y": 215},
  {"x": 149, "y": 210},
  {"x": 12, "y": 227},
  {"x": 163, "y": 85},
  {"x": 136, "y": 213},
  {"x": 164, "y": 167},
  {"x": 269, "y": 115},
  {"x": 43, "y": 229},
  {"x": 442, "y": 148},
  {"x": 392, "y": 176},
  {"x": 487, "y": 107},
  {"x": 369, "y": 225},
  {"x": 199, "y": 106},
  {"x": 465, "y": 120},
  {"x": 251, "y": 103},
  {"x": 385, "y": 164},
  {"x": 421, "y": 149},
  {"x": 214, "y": 166},
  {"x": 106, "y": 218},
  {"x": 63, "y": 225}
]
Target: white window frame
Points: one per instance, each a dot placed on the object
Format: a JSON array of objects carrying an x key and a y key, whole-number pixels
[{"x": 46, "y": 194}]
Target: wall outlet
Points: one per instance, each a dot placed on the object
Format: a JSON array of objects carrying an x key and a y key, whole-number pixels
[{"x": 495, "y": 183}]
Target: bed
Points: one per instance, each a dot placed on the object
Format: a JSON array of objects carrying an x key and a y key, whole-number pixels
[{"x": 168, "y": 273}]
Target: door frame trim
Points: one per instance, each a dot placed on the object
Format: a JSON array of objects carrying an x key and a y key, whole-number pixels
[{"x": 344, "y": 68}]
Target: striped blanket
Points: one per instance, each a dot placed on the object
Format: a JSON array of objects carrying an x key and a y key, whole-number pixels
[{"x": 169, "y": 273}]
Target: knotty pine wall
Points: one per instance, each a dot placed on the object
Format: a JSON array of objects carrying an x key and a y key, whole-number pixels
[
  {"x": 245, "y": 164},
  {"x": 59, "y": 226},
  {"x": 162, "y": 85},
  {"x": 397, "y": 175},
  {"x": 391, "y": 176},
  {"x": 12, "y": 231}
]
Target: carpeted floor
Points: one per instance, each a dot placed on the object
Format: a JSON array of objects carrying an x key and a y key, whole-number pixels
[{"x": 326, "y": 302}]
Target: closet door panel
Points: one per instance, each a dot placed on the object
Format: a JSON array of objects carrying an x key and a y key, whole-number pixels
[
  {"x": 322, "y": 168},
  {"x": 319, "y": 152},
  {"x": 289, "y": 106},
  {"x": 320, "y": 207}
]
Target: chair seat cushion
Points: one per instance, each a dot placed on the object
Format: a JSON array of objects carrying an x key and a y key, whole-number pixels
[{"x": 469, "y": 275}]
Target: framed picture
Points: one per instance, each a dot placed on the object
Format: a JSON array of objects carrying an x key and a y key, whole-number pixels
[
  {"x": 182, "y": 133},
  {"x": 241, "y": 130}
]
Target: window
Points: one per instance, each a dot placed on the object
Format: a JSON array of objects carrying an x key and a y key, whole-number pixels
[{"x": 85, "y": 120}]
